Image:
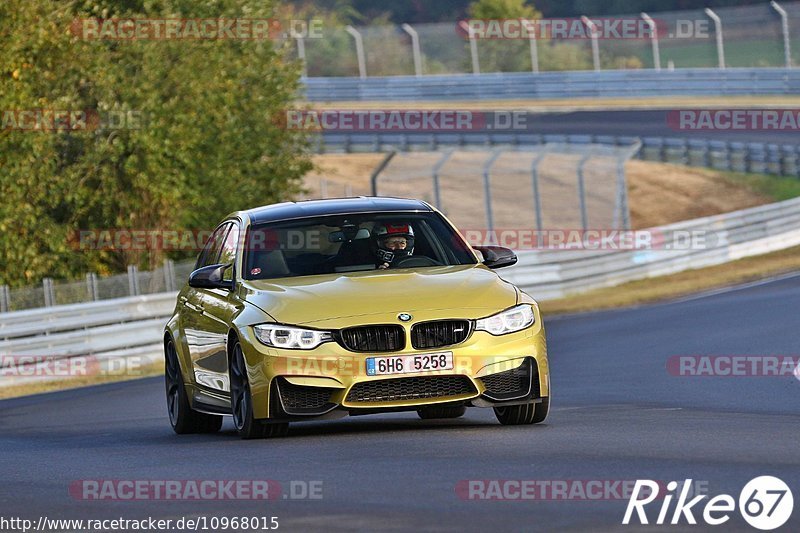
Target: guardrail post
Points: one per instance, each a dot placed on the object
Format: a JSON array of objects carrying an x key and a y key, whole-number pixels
[
  {"x": 593, "y": 36},
  {"x": 415, "y": 49},
  {"x": 91, "y": 286},
  {"x": 5, "y": 299},
  {"x": 473, "y": 46},
  {"x": 373, "y": 179},
  {"x": 133, "y": 280},
  {"x": 718, "y": 32},
  {"x": 47, "y": 287},
  {"x": 787, "y": 45},
  {"x": 362, "y": 63},
  {"x": 437, "y": 195},
  {"x": 487, "y": 189},
  {"x": 582, "y": 192},
  {"x": 653, "y": 40}
]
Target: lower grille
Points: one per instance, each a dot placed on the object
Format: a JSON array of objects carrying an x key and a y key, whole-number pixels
[
  {"x": 299, "y": 399},
  {"x": 512, "y": 383},
  {"x": 388, "y": 338},
  {"x": 388, "y": 390},
  {"x": 426, "y": 335}
]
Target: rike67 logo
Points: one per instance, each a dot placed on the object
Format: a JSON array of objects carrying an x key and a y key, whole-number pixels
[{"x": 765, "y": 503}]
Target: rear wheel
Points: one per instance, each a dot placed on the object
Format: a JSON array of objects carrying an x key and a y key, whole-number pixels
[
  {"x": 182, "y": 417},
  {"x": 441, "y": 411},
  {"x": 247, "y": 426},
  {"x": 529, "y": 413}
]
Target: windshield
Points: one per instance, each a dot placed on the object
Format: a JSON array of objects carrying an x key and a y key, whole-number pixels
[{"x": 351, "y": 243}]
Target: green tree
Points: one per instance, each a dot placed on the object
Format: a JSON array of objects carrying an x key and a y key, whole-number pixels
[{"x": 211, "y": 140}]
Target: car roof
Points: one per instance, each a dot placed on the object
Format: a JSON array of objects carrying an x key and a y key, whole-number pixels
[{"x": 333, "y": 206}]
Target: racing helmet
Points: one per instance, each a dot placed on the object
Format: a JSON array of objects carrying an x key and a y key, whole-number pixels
[{"x": 386, "y": 241}]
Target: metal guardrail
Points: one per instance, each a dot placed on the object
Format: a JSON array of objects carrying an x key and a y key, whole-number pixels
[
  {"x": 542, "y": 85},
  {"x": 64, "y": 331},
  {"x": 554, "y": 274},
  {"x": 756, "y": 157}
]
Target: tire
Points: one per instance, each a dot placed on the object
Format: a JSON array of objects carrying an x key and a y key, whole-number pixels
[
  {"x": 529, "y": 413},
  {"x": 441, "y": 411},
  {"x": 182, "y": 417},
  {"x": 246, "y": 425}
]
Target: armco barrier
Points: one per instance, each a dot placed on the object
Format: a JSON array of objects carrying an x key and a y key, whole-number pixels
[
  {"x": 554, "y": 274},
  {"x": 128, "y": 327},
  {"x": 573, "y": 84}
]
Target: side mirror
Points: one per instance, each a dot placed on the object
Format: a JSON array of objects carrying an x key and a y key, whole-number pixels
[
  {"x": 497, "y": 256},
  {"x": 210, "y": 277}
]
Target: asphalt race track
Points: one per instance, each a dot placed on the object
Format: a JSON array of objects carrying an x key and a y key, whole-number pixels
[{"x": 618, "y": 415}]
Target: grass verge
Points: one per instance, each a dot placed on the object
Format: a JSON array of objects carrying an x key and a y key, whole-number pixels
[{"x": 37, "y": 387}]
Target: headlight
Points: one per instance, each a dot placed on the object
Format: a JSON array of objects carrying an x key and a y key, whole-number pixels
[
  {"x": 508, "y": 321},
  {"x": 279, "y": 336}
]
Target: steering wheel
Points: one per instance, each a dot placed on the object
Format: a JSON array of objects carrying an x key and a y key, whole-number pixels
[{"x": 416, "y": 261}]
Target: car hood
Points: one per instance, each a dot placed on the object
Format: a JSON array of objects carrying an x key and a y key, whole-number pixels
[{"x": 466, "y": 291}]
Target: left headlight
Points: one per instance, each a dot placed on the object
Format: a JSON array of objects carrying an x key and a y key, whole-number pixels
[
  {"x": 289, "y": 337},
  {"x": 508, "y": 321}
]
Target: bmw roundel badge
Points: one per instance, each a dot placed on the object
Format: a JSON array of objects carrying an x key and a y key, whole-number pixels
[{"x": 405, "y": 317}]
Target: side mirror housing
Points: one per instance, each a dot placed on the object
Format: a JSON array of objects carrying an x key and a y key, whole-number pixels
[
  {"x": 210, "y": 277},
  {"x": 497, "y": 256}
]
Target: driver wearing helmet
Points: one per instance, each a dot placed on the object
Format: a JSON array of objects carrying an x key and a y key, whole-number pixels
[{"x": 392, "y": 243}]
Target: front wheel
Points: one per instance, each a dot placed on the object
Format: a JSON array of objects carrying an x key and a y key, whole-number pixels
[
  {"x": 529, "y": 413},
  {"x": 182, "y": 417},
  {"x": 246, "y": 424}
]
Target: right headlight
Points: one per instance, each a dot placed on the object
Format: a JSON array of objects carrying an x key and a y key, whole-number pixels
[
  {"x": 289, "y": 337},
  {"x": 508, "y": 321}
]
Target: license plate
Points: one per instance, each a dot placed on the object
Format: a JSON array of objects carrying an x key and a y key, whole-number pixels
[{"x": 409, "y": 364}]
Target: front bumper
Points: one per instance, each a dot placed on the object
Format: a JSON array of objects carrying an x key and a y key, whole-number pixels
[{"x": 331, "y": 381}]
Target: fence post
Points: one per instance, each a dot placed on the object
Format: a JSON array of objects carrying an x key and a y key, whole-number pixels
[
  {"x": 437, "y": 195},
  {"x": 473, "y": 46},
  {"x": 582, "y": 192},
  {"x": 301, "y": 54},
  {"x": 787, "y": 45},
  {"x": 91, "y": 286},
  {"x": 323, "y": 188},
  {"x": 47, "y": 287},
  {"x": 414, "y": 48},
  {"x": 534, "y": 46},
  {"x": 133, "y": 280},
  {"x": 5, "y": 299},
  {"x": 487, "y": 190},
  {"x": 718, "y": 32},
  {"x": 373, "y": 179},
  {"x": 653, "y": 40},
  {"x": 595, "y": 46},
  {"x": 537, "y": 201},
  {"x": 169, "y": 275},
  {"x": 362, "y": 63}
]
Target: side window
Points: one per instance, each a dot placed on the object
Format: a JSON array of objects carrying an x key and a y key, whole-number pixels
[
  {"x": 228, "y": 253},
  {"x": 210, "y": 253}
]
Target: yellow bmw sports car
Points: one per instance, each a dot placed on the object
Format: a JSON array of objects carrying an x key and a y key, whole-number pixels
[{"x": 323, "y": 308}]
